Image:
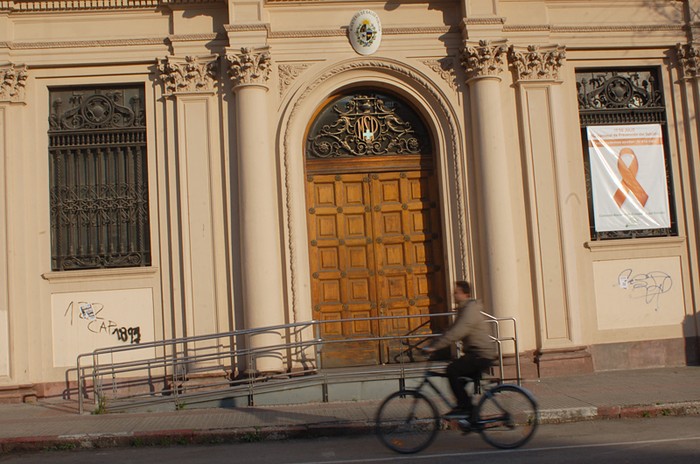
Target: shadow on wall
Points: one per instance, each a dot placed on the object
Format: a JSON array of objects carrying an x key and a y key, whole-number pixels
[{"x": 691, "y": 331}]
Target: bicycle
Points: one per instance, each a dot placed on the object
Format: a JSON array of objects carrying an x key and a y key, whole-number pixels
[{"x": 506, "y": 416}]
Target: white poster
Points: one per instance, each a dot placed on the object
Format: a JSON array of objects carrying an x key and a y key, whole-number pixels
[{"x": 628, "y": 177}]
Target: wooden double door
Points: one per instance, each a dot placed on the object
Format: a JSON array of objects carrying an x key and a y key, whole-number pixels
[{"x": 375, "y": 250}]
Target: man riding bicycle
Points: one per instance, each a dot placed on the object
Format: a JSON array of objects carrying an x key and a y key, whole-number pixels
[{"x": 478, "y": 347}]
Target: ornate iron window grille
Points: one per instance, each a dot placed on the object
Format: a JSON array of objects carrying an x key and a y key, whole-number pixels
[
  {"x": 624, "y": 97},
  {"x": 98, "y": 178},
  {"x": 366, "y": 124}
]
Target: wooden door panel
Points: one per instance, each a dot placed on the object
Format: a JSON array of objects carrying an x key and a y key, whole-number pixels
[
  {"x": 375, "y": 249},
  {"x": 341, "y": 260}
]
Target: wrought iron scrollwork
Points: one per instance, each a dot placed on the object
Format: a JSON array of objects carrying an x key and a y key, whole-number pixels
[
  {"x": 99, "y": 182},
  {"x": 616, "y": 97},
  {"x": 366, "y": 125}
]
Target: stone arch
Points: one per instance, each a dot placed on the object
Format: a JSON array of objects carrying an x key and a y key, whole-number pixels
[{"x": 429, "y": 99}]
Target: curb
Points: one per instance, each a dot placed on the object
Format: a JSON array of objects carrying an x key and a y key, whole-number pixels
[{"x": 177, "y": 437}]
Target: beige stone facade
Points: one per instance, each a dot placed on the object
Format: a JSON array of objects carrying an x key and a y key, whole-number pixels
[{"x": 230, "y": 89}]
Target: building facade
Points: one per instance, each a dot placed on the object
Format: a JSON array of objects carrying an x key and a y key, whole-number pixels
[{"x": 174, "y": 168}]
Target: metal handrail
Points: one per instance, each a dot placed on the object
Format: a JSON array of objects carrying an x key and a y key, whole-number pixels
[{"x": 178, "y": 355}]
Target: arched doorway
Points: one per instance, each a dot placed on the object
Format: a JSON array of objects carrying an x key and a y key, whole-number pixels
[{"x": 375, "y": 241}]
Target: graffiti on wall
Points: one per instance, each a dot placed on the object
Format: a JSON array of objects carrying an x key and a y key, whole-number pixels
[
  {"x": 86, "y": 321},
  {"x": 639, "y": 292},
  {"x": 89, "y": 314},
  {"x": 647, "y": 286}
]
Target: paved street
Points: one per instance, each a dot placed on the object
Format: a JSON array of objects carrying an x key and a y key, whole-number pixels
[{"x": 635, "y": 441}]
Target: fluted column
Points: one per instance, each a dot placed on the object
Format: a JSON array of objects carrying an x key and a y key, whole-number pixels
[
  {"x": 554, "y": 227},
  {"x": 483, "y": 63},
  {"x": 12, "y": 86},
  {"x": 260, "y": 235}
]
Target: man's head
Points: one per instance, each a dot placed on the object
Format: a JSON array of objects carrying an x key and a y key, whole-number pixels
[{"x": 463, "y": 291}]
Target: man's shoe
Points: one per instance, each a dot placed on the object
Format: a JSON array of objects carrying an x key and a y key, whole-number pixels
[{"x": 458, "y": 413}]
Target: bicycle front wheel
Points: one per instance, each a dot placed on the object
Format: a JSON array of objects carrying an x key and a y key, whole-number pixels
[
  {"x": 507, "y": 416},
  {"x": 407, "y": 421}
]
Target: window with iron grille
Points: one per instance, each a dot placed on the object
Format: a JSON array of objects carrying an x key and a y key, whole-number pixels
[
  {"x": 98, "y": 178},
  {"x": 623, "y": 101}
]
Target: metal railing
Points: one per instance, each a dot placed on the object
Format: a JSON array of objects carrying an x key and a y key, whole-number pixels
[{"x": 203, "y": 366}]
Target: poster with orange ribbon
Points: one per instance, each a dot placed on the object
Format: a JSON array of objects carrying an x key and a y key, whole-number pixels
[{"x": 628, "y": 177}]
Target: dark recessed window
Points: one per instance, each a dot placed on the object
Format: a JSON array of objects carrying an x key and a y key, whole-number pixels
[{"x": 98, "y": 178}]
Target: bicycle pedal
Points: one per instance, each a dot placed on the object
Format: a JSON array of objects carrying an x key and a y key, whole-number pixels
[{"x": 464, "y": 425}]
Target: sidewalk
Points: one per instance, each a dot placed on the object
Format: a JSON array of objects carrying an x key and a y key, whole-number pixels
[{"x": 606, "y": 395}]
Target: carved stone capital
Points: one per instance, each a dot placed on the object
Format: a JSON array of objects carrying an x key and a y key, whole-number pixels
[
  {"x": 251, "y": 66},
  {"x": 189, "y": 74},
  {"x": 483, "y": 60},
  {"x": 12, "y": 82},
  {"x": 688, "y": 60},
  {"x": 537, "y": 63}
]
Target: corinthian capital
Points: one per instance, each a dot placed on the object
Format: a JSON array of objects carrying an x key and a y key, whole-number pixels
[
  {"x": 537, "y": 63},
  {"x": 483, "y": 60},
  {"x": 251, "y": 66},
  {"x": 12, "y": 82},
  {"x": 688, "y": 60},
  {"x": 189, "y": 74}
]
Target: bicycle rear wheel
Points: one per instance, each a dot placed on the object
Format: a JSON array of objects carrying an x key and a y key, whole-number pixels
[
  {"x": 407, "y": 421},
  {"x": 507, "y": 416}
]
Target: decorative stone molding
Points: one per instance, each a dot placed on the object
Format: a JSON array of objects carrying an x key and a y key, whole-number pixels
[
  {"x": 452, "y": 133},
  {"x": 483, "y": 60},
  {"x": 688, "y": 60},
  {"x": 342, "y": 32},
  {"x": 535, "y": 63},
  {"x": 12, "y": 82},
  {"x": 251, "y": 66},
  {"x": 288, "y": 73},
  {"x": 189, "y": 74},
  {"x": 74, "y": 5},
  {"x": 445, "y": 67}
]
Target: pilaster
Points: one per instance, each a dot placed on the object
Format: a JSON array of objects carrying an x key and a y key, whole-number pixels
[
  {"x": 195, "y": 164},
  {"x": 553, "y": 221},
  {"x": 260, "y": 228},
  {"x": 688, "y": 63},
  {"x": 13, "y": 80}
]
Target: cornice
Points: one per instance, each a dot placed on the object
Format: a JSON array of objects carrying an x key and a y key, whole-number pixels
[
  {"x": 342, "y": 32},
  {"x": 86, "y": 43},
  {"x": 594, "y": 29},
  {"x": 484, "y": 21},
  {"x": 247, "y": 27},
  {"x": 113, "y": 42},
  {"x": 44, "y": 6}
]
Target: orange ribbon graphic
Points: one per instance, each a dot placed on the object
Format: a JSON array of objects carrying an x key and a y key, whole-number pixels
[{"x": 629, "y": 179}]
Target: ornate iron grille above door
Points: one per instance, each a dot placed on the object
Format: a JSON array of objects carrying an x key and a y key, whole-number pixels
[
  {"x": 366, "y": 124},
  {"x": 98, "y": 178}
]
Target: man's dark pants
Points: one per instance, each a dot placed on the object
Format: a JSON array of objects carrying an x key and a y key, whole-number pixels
[{"x": 470, "y": 365}]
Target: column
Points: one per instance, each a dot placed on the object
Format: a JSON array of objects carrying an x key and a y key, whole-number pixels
[
  {"x": 496, "y": 178},
  {"x": 555, "y": 230},
  {"x": 198, "y": 255},
  {"x": 12, "y": 85},
  {"x": 260, "y": 229}
]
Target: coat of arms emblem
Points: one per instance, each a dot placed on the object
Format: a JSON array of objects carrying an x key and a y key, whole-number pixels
[{"x": 365, "y": 32}]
